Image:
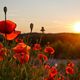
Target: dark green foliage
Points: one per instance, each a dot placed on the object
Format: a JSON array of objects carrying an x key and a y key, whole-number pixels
[{"x": 66, "y": 45}]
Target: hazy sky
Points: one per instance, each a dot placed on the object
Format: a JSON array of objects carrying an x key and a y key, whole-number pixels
[{"x": 53, "y": 15}]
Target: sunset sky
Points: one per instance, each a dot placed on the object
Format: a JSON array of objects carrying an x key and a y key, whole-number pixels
[{"x": 54, "y": 15}]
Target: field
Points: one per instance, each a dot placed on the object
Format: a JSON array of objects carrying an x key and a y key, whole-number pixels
[
  {"x": 36, "y": 56},
  {"x": 66, "y": 45},
  {"x": 40, "y": 56}
]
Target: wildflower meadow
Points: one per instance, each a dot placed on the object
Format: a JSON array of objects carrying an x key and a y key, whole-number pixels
[{"x": 22, "y": 60}]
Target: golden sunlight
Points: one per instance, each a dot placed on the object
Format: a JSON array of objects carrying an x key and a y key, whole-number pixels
[{"x": 77, "y": 27}]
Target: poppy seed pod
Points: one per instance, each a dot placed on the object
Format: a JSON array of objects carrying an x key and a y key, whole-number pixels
[
  {"x": 31, "y": 27},
  {"x": 42, "y": 29},
  {"x": 5, "y": 9}
]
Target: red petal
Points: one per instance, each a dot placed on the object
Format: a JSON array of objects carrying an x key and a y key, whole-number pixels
[
  {"x": 12, "y": 35},
  {"x": 1, "y": 58},
  {"x": 27, "y": 57},
  {"x": 10, "y": 26}
]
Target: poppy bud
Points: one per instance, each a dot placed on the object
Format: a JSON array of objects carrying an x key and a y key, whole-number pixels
[
  {"x": 31, "y": 27},
  {"x": 42, "y": 29},
  {"x": 5, "y": 9}
]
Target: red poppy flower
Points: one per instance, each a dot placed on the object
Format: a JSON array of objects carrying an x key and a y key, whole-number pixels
[
  {"x": 21, "y": 52},
  {"x": 10, "y": 26},
  {"x": 26, "y": 57},
  {"x": 71, "y": 64},
  {"x": 3, "y": 52},
  {"x": 47, "y": 66},
  {"x": 1, "y": 46},
  {"x": 49, "y": 50},
  {"x": 37, "y": 47},
  {"x": 61, "y": 77},
  {"x": 42, "y": 57},
  {"x": 22, "y": 57},
  {"x": 1, "y": 58},
  {"x": 69, "y": 70},
  {"x": 12, "y": 35},
  {"x": 21, "y": 47},
  {"x": 53, "y": 72}
]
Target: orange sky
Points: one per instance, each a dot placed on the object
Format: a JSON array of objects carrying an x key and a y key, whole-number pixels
[{"x": 54, "y": 15}]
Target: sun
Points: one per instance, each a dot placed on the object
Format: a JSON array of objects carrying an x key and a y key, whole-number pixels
[{"x": 77, "y": 27}]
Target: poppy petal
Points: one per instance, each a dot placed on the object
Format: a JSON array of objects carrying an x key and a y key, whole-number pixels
[
  {"x": 10, "y": 26},
  {"x": 12, "y": 35}
]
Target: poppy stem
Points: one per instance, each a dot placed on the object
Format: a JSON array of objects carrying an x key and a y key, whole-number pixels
[
  {"x": 5, "y": 28},
  {"x": 28, "y": 36},
  {"x": 5, "y": 35},
  {"x": 42, "y": 30},
  {"x": 41, "y": 37},
  {"x": 5, "y": 11}
]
